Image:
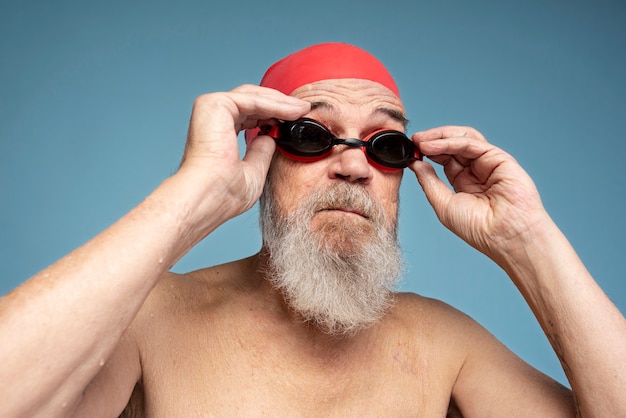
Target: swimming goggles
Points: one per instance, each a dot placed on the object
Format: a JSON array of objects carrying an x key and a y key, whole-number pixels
[{"x": 307, "y": 140}]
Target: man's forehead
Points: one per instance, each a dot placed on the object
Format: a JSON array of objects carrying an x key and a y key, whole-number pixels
[
  {"x": 395, "y": 114},
  {"x": 336, "y": 96}
]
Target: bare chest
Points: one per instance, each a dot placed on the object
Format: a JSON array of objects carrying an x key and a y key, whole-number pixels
[{"x": 250, "y": 373}]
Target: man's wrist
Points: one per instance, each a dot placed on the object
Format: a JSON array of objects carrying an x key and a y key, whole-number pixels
[{"x": 190, "y": 205}]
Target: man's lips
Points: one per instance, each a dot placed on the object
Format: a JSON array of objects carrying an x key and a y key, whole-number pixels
[{"x": 345, "y": 210}]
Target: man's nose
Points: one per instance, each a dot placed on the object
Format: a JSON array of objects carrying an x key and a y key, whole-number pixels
[{"x": 350, "y": 163}]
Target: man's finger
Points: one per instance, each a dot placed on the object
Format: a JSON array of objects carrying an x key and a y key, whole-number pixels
[
  {"x": 444, "y": 132},
  {"x": 463, "y": 147},
  {"x": 436, "y": 191}
]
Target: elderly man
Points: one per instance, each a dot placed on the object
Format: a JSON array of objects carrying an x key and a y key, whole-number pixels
[{"x": 309, "y": 326}]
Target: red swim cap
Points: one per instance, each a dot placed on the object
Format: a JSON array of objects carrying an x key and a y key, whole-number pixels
[{"x": 324, "y": 62}]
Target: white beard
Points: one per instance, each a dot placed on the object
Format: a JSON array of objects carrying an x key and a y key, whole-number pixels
[{"x": 341, "y": 275}]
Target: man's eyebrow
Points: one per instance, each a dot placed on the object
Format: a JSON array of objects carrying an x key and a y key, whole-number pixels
[
  {"x": 395, "y": 114},
  {"x": 327, "y": 106}
]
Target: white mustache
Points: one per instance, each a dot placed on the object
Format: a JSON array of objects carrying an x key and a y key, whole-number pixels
[{"x": 349, "y": 198}]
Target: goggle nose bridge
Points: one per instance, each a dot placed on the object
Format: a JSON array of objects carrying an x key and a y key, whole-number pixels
[{"x": 351, "y": 142}]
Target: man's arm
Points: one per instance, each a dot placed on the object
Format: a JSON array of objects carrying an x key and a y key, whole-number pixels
[
  {"x": 60, "y": 328},
  {"x": 496, "y": 208},
  {"x": 585, "y": 329}
]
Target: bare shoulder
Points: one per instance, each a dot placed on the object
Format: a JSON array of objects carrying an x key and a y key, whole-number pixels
[
  {"x": 432, "y": 332},
  {"x": 447, "y": 332},
  {"x": 435, "y": 315},
  {"x": 488, "y": 373},
  {"x": 180, "y": 294},
  {"x": 447, "y": 329}
]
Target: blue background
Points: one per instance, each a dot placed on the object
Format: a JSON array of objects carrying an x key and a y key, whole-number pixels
[{"x": 95, "y": 99}]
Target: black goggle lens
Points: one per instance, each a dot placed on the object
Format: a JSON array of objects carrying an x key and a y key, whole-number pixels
[
  {"x": 306, "y": 139},
  {"x": 391, "y": 149}
]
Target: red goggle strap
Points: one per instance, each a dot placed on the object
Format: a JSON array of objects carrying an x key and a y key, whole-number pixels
[{"x": 271, "y": 131}]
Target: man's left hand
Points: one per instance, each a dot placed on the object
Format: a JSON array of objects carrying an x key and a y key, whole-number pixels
[{"x": 494, "y": 204}]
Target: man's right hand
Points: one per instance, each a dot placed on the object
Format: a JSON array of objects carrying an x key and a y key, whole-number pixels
[{"x": 212, "y": 157}]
